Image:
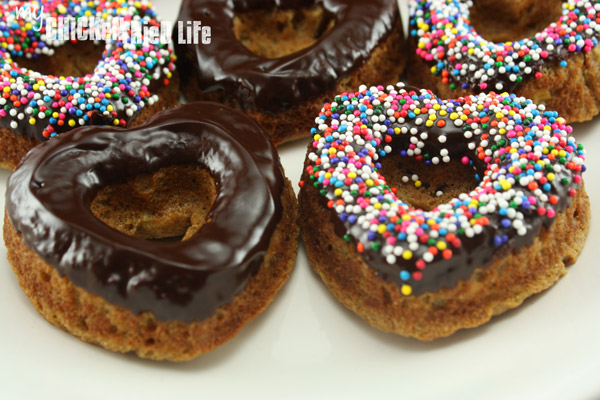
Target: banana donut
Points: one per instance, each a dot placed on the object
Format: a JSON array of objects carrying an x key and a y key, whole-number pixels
[
  {"x": 557, "y": 66},
  {"x": 126, "y": 85},
  {"x": 163, "y": 240},
  {"x": 280, "y": 87},
  {"x": 428, "y": 271}
]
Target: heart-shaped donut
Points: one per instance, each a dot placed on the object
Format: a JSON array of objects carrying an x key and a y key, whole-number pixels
[
  {"x": 162, "y": 299},
  {"x": 428, "y": 273}
]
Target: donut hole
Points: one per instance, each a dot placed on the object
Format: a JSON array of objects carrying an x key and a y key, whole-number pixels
[
  {"x": 168, "y": 205},
  {"x": 509, "y": 20},
  {"x": 275, "y": 33},
  {"x": 427, "y": 186},
  {"x": 71, "y": 59}
]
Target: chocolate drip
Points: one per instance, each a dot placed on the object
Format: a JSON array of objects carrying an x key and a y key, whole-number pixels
[
  {"x": 49, "y": 195},
  {"x": 273, "y": 85}
]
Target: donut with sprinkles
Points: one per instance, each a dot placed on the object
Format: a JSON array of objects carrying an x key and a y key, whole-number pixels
[
  {"x": 128, "y": 84},
  {"x": 557, "y": 66},
  {"x": 428, "y": 273}
]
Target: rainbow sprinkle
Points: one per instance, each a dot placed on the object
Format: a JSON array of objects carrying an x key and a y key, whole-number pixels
[
  {"x": 40, "y": 106},
  {"x": 527, "y": 163},
  {"x": 463, "y": 59}
]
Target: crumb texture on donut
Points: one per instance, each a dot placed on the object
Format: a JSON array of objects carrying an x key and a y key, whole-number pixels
[
  {"x": 279, "y": 32},
  {"x": 94, "y": 320},
  {"x": 491, "y": 290}
]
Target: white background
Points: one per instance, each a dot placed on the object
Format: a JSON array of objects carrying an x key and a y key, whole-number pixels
[{"x": 306, "y": 345}]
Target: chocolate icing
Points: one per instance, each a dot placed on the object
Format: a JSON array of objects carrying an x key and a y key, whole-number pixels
[
  {"x": 273, "y": 85},
  {"x": 48, "y": 201}
]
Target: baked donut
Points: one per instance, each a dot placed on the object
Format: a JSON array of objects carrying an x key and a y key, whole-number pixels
[
  {"x": 481, "y": 250},
  {"x": 125, "y": 85},
  {"x": 354, "y": 42},
  {"x": 122, "y": 238},
  {"x": 557, "y": 67}
]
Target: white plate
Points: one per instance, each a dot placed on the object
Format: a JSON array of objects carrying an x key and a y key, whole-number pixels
[{"x": 306, "y": 345}]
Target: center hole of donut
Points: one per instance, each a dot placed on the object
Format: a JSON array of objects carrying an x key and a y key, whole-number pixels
[
  {"x": 71, "y": 59},
  {"x": 509, "y": 20},
  {"x": 427, "y": 186},
  {"x": 279, "y": 32},
  {"x": 168, "y": 205}
]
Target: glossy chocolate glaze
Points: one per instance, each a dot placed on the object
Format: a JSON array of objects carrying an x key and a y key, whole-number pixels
[
  {"x": 273, "y": 85},
  {"x": 478, "y": 251},
  {"x": 48, "y": 201}
]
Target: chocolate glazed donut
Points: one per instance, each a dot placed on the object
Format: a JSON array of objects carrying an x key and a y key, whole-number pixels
[
  {"x": 73, "y": 199},
  {"x": 225, "y": 70},
  {"x": 184, "y": 280}
]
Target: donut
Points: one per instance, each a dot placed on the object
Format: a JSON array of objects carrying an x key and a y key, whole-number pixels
[
  {"x": 428, "y": 271},
  {"x": 557, "y": 66},
  {"x": 125, "y": 85},
  {"x": 163, "y": 239},
  {"x": 354, "y": 42}
]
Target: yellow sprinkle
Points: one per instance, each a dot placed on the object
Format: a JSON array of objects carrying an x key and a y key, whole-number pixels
[
  {"x": 338, "y": 192},
  {"x": 453, "y": 116},
  {"x": 381, "y": 228},
  {"x": 429, "y": 123},
  {"x": 406, "y": 290},
  {"x": 407, "y": 254},
  {"x": 32, "y": 121},
  {"x": 377, "y": 207},
  {"x": 397, "y": 131},
  {"x": 370, "y": 182},
  {"x": 317, "y": 137},
  {"x": 116, "y": 122},
  {"x": 71, "y": 122},
  {"x": 441, "y": 245},
  {"x": 418, "y": 184},
  {"x": 550, "y": 176}
]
